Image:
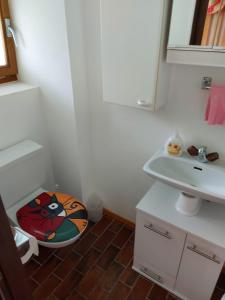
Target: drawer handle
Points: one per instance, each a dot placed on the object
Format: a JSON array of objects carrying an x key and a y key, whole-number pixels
[
  {"x": 152, "y": 228},
  {"x": 195, "y": 249},
  {"x": 152, "y": 274}
]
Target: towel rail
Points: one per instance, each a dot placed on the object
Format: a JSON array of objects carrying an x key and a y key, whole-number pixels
[{"x": 206, "y": 83}]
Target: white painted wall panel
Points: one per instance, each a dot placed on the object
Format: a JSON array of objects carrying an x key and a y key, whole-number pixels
[
  {"x": 123, "y": 138},
  {"x": 21, "y": 118},
  {"x": 43, "y": 59}
]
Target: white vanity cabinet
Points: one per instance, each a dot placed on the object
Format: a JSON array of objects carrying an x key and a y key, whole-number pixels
[
  {"x": 183, "y": 254},
  {"x": 159, "y": 246}
]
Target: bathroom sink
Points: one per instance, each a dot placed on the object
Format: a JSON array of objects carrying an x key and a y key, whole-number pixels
[{"x": 194, "y": 179}]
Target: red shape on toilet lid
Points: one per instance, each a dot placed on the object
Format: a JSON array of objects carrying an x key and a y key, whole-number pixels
[{"x": 53, "y": 217}]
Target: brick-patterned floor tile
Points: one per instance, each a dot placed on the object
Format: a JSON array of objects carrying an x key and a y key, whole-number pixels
[
  {"x": 98, "y": 294},
  {"x": 84, "y": 244},
  {"x": 67, "y": 264},
  {"x": 217, "y": 295},
  {"x": 120, "y": 292},
  {"x": 141, "y": 289},
  {"x": 129, "y": 276},
  {"x": 75, "y": 296},
  {"x": 44, "y": 254},
  {"x": 221, "y": 281},
  {"x": 122, "y": 237},
  {"x": 89, "y": 227},
  {"x": 126, "y": 254},
  {"x": 64, "y": 251},
  {"x": 33, "y": 285},
  {"x": 158, "y": 293},
  {"x": 172, "y": 297},
  {"x": 102, "y": 225},
  {"x": 132, "y": 237},
  {"x": 104, "y": 240},
  {"x": 111, "y": 276},
  {"x": 90, "y": 281},
  {"x": 46, "y": 288},
  {"x": 46, "y": 269},
  {"x": 115, "y": 226},
  {"x": 52, "y": 297},
  {"x": 108, "y": 256},
  {"x": 67, "y": 285},
  {"x": 31, "y": 267},
  {"x": 88, "y": 260}
]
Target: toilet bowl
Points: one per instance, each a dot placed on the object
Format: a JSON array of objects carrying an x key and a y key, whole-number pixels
[{"x": 54, "y": 218}]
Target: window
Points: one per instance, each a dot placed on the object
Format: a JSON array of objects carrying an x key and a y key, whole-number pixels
[{"x": 8, "y": 65}]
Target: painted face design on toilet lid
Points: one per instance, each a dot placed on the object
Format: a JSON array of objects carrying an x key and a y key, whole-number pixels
[{"x": 53, "y": 217}]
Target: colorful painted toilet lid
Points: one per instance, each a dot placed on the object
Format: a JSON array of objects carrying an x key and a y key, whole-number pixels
[{"x": 53, "y": 217}]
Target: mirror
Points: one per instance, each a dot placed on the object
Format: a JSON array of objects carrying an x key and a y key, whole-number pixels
[{"x": 197, "y": 23}]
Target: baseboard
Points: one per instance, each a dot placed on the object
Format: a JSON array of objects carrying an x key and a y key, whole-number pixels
[{"x": 120, "y": 219}]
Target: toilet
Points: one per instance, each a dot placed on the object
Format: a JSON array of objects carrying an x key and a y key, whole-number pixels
[{"x": 55, "y": 219}]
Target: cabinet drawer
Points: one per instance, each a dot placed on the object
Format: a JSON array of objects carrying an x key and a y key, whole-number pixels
[
  {"x": 150, "y": 272},
  {"x": 200, "y": 266},
  {"x": 158, "y": 243}
]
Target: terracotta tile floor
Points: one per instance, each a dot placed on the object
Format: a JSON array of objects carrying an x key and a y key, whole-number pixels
[{"x": 96, "y": 267}]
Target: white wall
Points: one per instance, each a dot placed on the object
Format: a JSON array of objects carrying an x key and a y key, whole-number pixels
[
  {"x": 116, "y": 140},
  {"x": 124, "y": 138},
  {"x": 77, "y": 51},
  {"x": 43, "y": 58},
  {"x": 21, "y": 118}
]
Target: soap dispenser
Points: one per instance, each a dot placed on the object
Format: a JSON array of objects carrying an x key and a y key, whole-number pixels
[{"x": 174, "y": 145}]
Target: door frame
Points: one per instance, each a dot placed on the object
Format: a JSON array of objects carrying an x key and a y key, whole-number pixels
[{"x": 14, "y": 283}]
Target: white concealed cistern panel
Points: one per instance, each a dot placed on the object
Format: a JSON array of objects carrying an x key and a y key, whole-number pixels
[
  {"x": 22, "y": 171},
  {"x": 14, "y": 153}
]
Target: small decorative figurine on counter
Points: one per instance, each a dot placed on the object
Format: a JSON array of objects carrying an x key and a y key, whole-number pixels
[{"x": 174, "y": 145}]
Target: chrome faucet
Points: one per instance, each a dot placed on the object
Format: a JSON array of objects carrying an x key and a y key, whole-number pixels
[{"x": 202, "y": 154}]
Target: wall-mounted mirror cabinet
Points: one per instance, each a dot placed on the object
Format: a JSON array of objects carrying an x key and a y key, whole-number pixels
[{"x": 197, "y": 32}]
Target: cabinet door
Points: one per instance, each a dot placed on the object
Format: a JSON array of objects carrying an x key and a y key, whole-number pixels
[
  {"x": 158, "y": 243},
  {"x": 200, "y": 267},
  {"x": 146, "y": 269},
  {"x": 130, "y": 44}
]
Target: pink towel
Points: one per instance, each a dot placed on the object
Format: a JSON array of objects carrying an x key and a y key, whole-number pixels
[{"x": 215, "y": 110}]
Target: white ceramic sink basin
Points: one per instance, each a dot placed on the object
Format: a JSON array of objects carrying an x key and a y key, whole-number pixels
[{"x": 196, "y": 180}]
